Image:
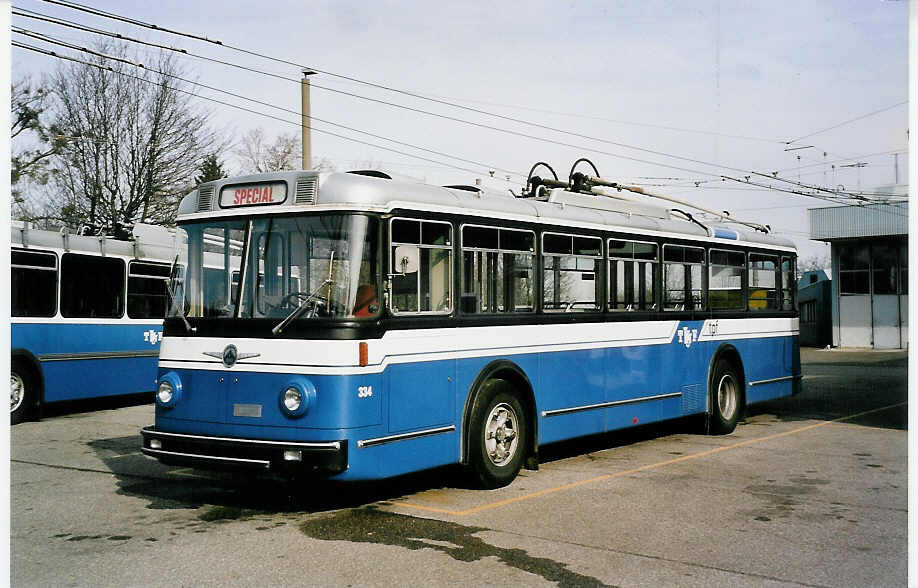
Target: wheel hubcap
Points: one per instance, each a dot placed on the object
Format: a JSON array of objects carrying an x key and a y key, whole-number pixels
[
  {"x": 727, "y": 396},
  {"x": 501, "y": 437},
  {"x": 17, "y": 391}
]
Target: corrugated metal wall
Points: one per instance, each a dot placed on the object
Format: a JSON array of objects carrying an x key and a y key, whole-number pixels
[{"x": 873, "y": 220}]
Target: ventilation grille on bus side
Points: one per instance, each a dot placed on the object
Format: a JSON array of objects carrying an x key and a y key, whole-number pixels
[
  {"x": 306, "y": 188},
  {"x": 205, "y": 198}
]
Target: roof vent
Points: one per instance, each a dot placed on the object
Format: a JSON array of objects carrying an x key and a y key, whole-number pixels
[
  {"x": 465, "y": 187},
  {"x": 373, "y": 173},
  {"x": 205, "y": 198},
  {"x": 306, "y": 187}
]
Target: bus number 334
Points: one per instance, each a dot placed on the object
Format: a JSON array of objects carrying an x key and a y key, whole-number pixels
[{"x": 364, "y": 391}]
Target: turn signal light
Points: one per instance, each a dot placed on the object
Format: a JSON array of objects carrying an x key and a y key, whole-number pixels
[{"x": 364, "y": 354}]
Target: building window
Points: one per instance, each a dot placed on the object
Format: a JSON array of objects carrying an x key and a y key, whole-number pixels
[
  {"x": 497, "y": 270},
  {"x": 34, "y": 283},
  {"x": 903, "y": 268},
  {"x": 633, "y": 282},
  {"x": 763, "y": 279},
  {"x": 808, "y": 312},
  {"x": 725, "y": 279},
  {"x": 570, "y": 265},
  {"x": 427, "y": 287},
  {"x": 91, "y": 287},
  {"x": 885, "y": 268},
  {"x": 853, "y": 269},
  {"x": 683, "y": 269}
]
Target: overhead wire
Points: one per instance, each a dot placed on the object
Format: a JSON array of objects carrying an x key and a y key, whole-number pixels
[
  {"x": 841, "y": 124},
  {"x": 136, "y": 22},
  {"x": 835, "y": 193},
  {"x": 236, "y": 106}
]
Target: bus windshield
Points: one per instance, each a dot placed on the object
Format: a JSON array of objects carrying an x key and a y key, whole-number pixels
[{"x": 288, "y": 268}]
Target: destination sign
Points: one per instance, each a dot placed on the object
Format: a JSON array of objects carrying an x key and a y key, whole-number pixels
[{"x": 253, "y": 194}]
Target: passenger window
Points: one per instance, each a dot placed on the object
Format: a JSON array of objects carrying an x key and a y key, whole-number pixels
[
  {"x": 91, "y": 287},
  {"x": 725, "y": 279},
  {"x": 569, "y": 281},
  {"x": 34, "y": 283},
  {"x": 682, "y": 275},
  {"x": 497, "y": 270},
  {"x": 426, "y": 288},
  {"x": 147, "y": 295},
  {"x": 788, "y": 283},
  {"x": 763, "y": 282},
  {"x": 633, "y": 282}
]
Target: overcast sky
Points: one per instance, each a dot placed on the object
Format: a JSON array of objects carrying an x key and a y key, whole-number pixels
[{"x": 731, "y": 81}]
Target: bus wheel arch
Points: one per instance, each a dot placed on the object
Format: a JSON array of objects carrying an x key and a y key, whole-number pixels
[
  {"x": 726, "y": 397},
  {"x": 495, "y": 383},
  {"x": 26, "y": 375}
]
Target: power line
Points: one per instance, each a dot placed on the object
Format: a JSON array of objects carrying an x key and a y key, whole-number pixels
[
  {"x": 841, "y": 124},
  {"x": 455, "y": 119},
  {"x": 346, "y": 138},
  {"x": 90, "y": 10}
]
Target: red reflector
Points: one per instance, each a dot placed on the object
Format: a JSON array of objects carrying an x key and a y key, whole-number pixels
[
  {"x": 364, "y": 354},
  {"x": 634, "y": 421}
]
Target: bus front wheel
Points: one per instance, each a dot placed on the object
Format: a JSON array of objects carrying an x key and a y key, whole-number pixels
[
  {"x": 726, "y": 398},
  {"x": 498, "y": 435},
  {"x": 22, "y": 392}
]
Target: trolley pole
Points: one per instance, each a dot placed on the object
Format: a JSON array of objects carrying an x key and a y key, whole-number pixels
[{"x": 307, "y": 140}]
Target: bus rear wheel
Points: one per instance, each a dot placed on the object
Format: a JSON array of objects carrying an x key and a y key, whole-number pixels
[
  {"x": 498, "y": 435},
  {"x": 726, "y": 398},
  {"x": 22, "y": 393}
]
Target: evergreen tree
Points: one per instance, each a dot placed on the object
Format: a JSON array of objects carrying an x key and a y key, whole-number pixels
[{"x": 211, "y": 169}]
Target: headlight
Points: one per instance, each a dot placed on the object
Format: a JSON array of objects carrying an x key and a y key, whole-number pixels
[
  {"x": 165, "y": 392},
  {"x": 169, "y": 390},
  {"x": 293, "y": 398},
  {"x": 297, "y": 397}
]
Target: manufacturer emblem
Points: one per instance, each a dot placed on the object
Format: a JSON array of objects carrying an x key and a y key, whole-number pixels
[
  {"x": 687, "y": 336},
  {"x": 230, "y": 355}
]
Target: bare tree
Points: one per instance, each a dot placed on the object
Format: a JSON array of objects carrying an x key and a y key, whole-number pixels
[
  {"x": 814, "y": 262},
  {"x": 258, "y": 156},
  {"x": 33, "y": 140},
  {"x": 135, "y": 140}
]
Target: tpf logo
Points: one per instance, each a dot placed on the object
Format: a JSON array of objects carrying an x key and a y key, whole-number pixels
[
  {"x": 153, "y": 337},
  {"x": 687, "y": 336}
]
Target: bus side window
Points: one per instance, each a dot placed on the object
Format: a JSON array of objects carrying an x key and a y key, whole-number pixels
[
  {"x": 682, "y": 276},
  {"x": 91, "y": 286},
  {"x": 427, "y": 289},
  {"x": 34, "y": 283}
]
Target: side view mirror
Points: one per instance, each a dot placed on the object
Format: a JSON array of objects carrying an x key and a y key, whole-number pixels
[{"x": 406, "y": 259}]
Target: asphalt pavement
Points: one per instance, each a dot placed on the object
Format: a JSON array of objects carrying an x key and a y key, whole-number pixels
[{"x": 808, "y": 491}]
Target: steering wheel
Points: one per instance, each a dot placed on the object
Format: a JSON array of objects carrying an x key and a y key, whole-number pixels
[{"x": 316, "y": 303}]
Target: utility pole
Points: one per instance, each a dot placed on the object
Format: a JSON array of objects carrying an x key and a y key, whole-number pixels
[{"x": 307, "y": 141}]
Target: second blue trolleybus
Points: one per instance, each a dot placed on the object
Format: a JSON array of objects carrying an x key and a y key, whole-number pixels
[{"x": 356, "y": 326}]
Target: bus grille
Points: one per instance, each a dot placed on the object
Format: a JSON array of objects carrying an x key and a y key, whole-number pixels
[
  {"x": 306, "y": 190},
  {"x": 205, "y": 198}
]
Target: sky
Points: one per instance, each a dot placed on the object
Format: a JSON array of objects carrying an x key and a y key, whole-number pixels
[{"x": 722, "y": 86}]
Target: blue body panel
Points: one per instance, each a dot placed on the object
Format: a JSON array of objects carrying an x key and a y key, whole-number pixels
[
  {"x": 70, "y": 362},
  {"x": 426, "y": 395}
]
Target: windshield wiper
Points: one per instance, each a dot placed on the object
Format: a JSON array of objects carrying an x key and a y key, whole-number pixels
[
  {"x": 305, "y": 303},
  {"x": 188, "y": 327}
]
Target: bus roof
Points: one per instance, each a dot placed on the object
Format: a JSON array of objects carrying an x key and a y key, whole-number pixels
[
  {"x": 298, "y": 191},
  {"x": 149, "y": 241}
]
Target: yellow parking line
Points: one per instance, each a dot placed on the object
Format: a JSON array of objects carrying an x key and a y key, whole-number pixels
[{"x": 706, "y": 453}]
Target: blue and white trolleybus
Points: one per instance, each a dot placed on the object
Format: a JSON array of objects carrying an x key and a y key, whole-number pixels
[
  {"x": 357, "y": 326},
  {"x": 86, "y": 314}
]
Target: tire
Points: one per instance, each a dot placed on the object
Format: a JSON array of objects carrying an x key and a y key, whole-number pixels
[
  {"x": 23, "y": 391},
  {"x": 498, "y": 435},
  {"x": 726, "y": 398}
]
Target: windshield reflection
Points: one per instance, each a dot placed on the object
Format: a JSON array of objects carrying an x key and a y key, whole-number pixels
[{"x": 304, "y": 267}]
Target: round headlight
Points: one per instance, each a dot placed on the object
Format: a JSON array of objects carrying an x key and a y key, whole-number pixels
[
  {"x": 169, "y": 390},
  {"x": 293, "y": 398},
  {"x": 296, "y": 397},
  {"x": 165, "y": 392}
]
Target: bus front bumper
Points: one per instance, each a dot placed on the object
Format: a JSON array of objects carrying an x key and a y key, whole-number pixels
[{"x": 210, "y": 452}]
